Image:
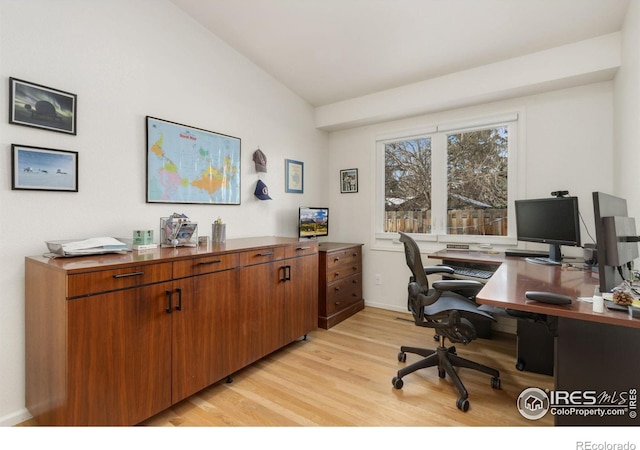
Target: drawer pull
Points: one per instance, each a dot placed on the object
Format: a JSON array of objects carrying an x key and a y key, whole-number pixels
[
  {"x": 337, "y": 258},
  {"x": 337, "y": 274},
  {"x": 125, "y": 275},
  {"x": 303, "y": 248},
  {"x": 337, "y": 303},
  {"x": 265, "y": 254},
  {"x": 213, "y": 261},
  {"x": 337, "y": 288}
]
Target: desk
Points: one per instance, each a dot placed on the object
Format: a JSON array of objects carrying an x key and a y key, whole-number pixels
[{"x": 594, "y": 352}]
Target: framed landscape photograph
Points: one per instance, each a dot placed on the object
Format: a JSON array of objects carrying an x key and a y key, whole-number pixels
[
  {"x": 191, "y": 165},
  {"x": 294, "y": 176},
  {"x": 43, "y": 169},
  {"x": 348, "y": 181},
  {"x": 37, "y": 106}
]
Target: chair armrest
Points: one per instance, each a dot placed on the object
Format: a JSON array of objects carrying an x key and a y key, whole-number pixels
[
  {"x": 456, "y": 285},
  {"x": 430, "y": 270}
]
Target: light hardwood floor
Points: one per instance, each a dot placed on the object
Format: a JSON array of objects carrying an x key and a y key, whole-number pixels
[{"x": 342, "y": 377}]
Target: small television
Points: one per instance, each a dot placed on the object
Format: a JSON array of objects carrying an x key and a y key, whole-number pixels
[
  {"x": 313, "y": 222},
  {"x": 554, "y": 221}
]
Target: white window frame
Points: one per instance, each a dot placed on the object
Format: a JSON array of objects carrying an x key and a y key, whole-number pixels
[{"x": 438, "y": 134}]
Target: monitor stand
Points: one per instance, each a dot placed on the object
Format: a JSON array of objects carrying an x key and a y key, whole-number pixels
[{"x": 554, "y": 259}]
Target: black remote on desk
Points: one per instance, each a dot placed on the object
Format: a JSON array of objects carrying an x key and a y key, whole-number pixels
[{"x": 548, "y": 297}]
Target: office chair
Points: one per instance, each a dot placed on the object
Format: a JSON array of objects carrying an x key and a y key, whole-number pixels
[{"x": 446, "y": 311}]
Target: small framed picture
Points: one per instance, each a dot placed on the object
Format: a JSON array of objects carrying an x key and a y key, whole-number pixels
[
  {"x": 33, "y": 105},
  {"x": 43, "y": 169},
  {"x": 348, "y": 181},
  {"x": 294, "y": 176}
]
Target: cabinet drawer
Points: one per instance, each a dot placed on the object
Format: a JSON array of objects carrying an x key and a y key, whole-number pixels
[
  {"x": 206, "y": 264},
  {"x": 305, "y": 248},
  {"x": 339, "y": 272},
  {"x": 347, "y": 257},
  {"x": 343, "y": 293},
  {"x": 263, "y": 255},
  {"x": 111, "y": 280}
]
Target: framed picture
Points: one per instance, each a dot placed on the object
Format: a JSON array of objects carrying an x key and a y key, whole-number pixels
[
  {"x": 294, "y": 176},
  {"x": 37, "y": 106},
  {"x": 43, "y": 169},
  {"x": 348, "y": 181},
  {"x": 191, "y": 165}
]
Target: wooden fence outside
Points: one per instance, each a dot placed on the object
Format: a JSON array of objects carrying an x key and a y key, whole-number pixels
[{"x": 484, "y": 222}]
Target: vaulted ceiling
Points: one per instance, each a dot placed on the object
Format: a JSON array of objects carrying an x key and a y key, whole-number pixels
[{"x": 332, "y": 50}]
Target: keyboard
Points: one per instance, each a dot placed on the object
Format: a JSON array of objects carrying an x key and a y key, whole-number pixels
[{"x": 471, "y": 272}]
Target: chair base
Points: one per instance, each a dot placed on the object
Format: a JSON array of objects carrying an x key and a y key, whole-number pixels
[{"x": 445, "y": 358}]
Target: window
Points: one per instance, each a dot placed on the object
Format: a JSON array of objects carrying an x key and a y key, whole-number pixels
[{"x": 450, "y": 183}]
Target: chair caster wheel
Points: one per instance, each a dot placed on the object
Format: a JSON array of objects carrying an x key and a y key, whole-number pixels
[
  {"x": 441, "y": 373},
  {"x": 496, "y": 383},
  {"x": 463, "y": 404},
  {"x": 436, "y": 337},
  {"x": 520, "y": 365},
  {"x": 402, "y": 357},
  {"x": 397, "y": 382},
  {"x": 452, "y": 350}
]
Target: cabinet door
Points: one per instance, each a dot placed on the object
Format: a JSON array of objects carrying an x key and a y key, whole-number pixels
[
  {"x": 204, "y": 331},
  {"x": 259, "y": 310},
  {"x": 301, "y": 300},
  {"x": 119, "y": 356}
]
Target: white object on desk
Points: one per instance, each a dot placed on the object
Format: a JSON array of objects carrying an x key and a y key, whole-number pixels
[{"x": 598, "y": 301}]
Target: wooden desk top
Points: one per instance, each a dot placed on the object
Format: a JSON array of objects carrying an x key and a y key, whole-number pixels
[{"x": 515, "y": 276}]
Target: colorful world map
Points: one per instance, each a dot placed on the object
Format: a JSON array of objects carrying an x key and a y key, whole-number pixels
[{"x": 190, "y": 165}]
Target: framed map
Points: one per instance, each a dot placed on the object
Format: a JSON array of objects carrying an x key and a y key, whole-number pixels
[{"x": 191, "y": 165}]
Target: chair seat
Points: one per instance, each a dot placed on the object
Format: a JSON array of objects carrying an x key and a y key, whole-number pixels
[{"x": 453, "y": 302}]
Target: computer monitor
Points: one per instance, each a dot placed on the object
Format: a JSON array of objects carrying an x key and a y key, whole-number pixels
[
  {"x": 616, "y": 240},
  {"x": 313, "y": 222},
  {"x": 554, "y": 221}
]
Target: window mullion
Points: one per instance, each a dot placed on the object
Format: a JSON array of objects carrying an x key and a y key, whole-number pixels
[{"x": 439, "y": 184}]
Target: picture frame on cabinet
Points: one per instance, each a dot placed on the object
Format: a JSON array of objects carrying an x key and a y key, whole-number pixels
[
  {"x": 294, "y": 176},
  {"x": 37, "y": 106},
  {"x": 348, "y": 181},
  {"x": 43, "y": 169}
]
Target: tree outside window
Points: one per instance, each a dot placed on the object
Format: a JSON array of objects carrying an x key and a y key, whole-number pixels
[{"x": 476, "y": 179}]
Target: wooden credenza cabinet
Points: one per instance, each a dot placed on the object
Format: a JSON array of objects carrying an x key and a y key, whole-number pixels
[
  {"x": 339, "y": 282},
  {"x": 114, "y": 339}
]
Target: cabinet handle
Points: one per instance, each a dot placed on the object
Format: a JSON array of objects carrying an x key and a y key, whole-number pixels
[
  {"x": 213, "y": 261},
  {"x": 169, "y": 295},
  {"x": 265, "y": 254},
  {"x": 125, "y": 275},
  {"x": 287, "y": 273},
  {"x": 302, "y": 248},
  {"x": 179, "y": 305},
  {"x": 337, "y": 258},
  {"x": 337, "y": 274},
  {"x": 337, "y": 288},
  {"x": 337, "y": 303}
]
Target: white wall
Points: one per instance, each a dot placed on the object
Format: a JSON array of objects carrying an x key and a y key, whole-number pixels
[
  {"x": 567, "y": 144},
  {"x": 126, "y": 59},
  {"x": 627, "y": 114}
]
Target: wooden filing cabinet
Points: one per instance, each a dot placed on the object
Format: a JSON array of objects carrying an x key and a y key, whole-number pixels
[{"x": 339, "y": 282}]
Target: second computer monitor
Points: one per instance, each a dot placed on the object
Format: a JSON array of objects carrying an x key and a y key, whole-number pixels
[{"x": 554, "y": 221}]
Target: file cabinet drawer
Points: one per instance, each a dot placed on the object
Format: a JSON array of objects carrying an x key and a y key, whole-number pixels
[
  {"x": 347, "y": 257},
  {"x": 343, "y": 293},
  {"x": 88, "y": 283}
]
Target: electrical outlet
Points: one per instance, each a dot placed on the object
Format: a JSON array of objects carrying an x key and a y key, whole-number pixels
[{"x": 378, "y": 279}]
